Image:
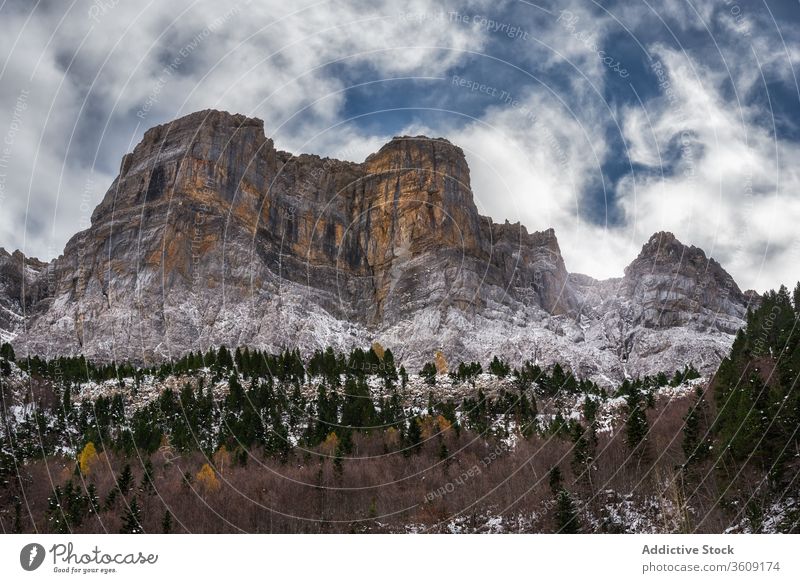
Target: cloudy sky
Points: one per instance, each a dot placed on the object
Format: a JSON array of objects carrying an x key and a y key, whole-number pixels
[{"x": 607, "y": 120}]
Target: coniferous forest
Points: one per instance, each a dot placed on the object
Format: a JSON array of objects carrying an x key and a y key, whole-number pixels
[{"x": 240, "y": 440}]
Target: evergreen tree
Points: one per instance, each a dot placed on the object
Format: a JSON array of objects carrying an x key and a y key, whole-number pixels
[
  {"x": 224, "y": 360},
  {"x": 555, "y": 480},
  {"x": 755, "y": 388},
  {"x": 67, "y": 507},
  {"x": 561, "y": 380},
  {"x": 591, "y": 407},
  {"x": 581, "y": 453},
  {"x": 567, "y": 521},
  {"x": 6, "y": 358},
  {"x": 696, "y": 445},
  {"x": 428, "y": 373},
  {"x": 166, "y": 523},
  {"x": 338, "y": 459},
  {"x": 413, "y": 436},
  {"x": 132, "y": 520},
  {"x": 146, "y": 485},
  {"x": 499, "y": 368},
  {"x": 92, "y": 499},
  {"x": 125, "y": 480},
  {"x": 526, "y": 415},
  {"x": 358, "y": 411},
  {"x": 796, "y": 298},
  {"x": 7, "y": 352},
  {"x": 636, "y": 426},
  {"x": 56, "y": 516}
]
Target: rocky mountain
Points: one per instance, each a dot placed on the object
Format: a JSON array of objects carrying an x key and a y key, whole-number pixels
[
  {"x": 211, "y": 235},
  {"x": 19, "y": 277}
]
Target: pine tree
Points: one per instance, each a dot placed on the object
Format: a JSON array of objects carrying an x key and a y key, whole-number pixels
[
  {"x": 56, "y": 514},
  {"x": 499, "y": 368},
  {"x": 636, "y": 426},
  {"x": 92, "y": 498},
  {"x": 125, "y": 480},
  {"x": 6, "y": 358},
  {"x": 444, "y": 453},
  {"x": 111, "y": 499},
  {"x": 566, "y": 516},
  {"x": 146, "y": 484},
  {"x": 758, "y": 411},
  {"x": 590, "y": 409},
  {"x": 132, "y": 521},
  {"x": 413, "y": 436},
  {"x": 166, "y": 523},
  {"x": 526, "y": 415},
  {"x": 555, "y": 481},
  {"x": 68, "y": 507},
  {"x": 796, "y": 298},
  {"x": 581, "y": 454},
  {"x": 7, "y": 352},
  {"x": 338, "y": 460},
  {"x": 428, "y": 372},
  {"x": 696, "y": 447}
]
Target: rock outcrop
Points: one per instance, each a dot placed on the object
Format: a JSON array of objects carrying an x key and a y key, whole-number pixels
[
  {"x": 21, "y": 280},
  {"x": 210, "y": 235},
  {"x": 670, "y": 284}
]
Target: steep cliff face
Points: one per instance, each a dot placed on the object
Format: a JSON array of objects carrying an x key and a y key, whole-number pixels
[
  {"x": 674, "y": 305},
  {"x": 209, "y": 235},
  {"x": 670, "y": 284},
  {"x": 21, "y": 281},
  {"x": 138, "y": 281}
]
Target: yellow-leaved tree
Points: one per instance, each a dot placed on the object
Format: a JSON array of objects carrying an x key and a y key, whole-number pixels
[
  {"x": 428, "y": 427},
  {"x": 330, "y": 444},
  {"x": 207, "y": 478},
  {"x": 440, "y": 361},
  {"x": 443, "y": 423},
  {"x": 87, "y": 458},
  {"x": 378, "y": 350},
  {"x": 392, "y": 437}
]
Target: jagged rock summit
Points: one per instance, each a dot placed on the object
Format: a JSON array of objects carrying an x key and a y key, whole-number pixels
[{"x": 209, "y": 235}]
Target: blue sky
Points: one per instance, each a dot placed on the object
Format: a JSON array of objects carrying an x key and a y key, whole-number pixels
[{"x": 605, "y": 120}]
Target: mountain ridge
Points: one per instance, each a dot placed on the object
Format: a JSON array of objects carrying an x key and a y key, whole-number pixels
[{"x": 210, "y": 235}]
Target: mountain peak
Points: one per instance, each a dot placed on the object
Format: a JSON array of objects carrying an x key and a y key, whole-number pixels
[
  {"x": 673, "y": 284},
  {"x": 420, "y": 153},
  {"x": 205, "y": 120},
  {"x": 420, "y": 140},
  {"x": 660, "y": 243},
  {"x": 664, "y": 253}
]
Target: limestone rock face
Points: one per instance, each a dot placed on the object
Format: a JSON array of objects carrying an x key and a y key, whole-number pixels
[
  {"x": 209, "y": 235},
  {"x": 22, "y": 280},
  {"x": 670, "y": 284}
]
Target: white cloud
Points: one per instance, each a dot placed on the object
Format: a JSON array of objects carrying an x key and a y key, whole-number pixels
[{"x": 734, "y": 190}]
